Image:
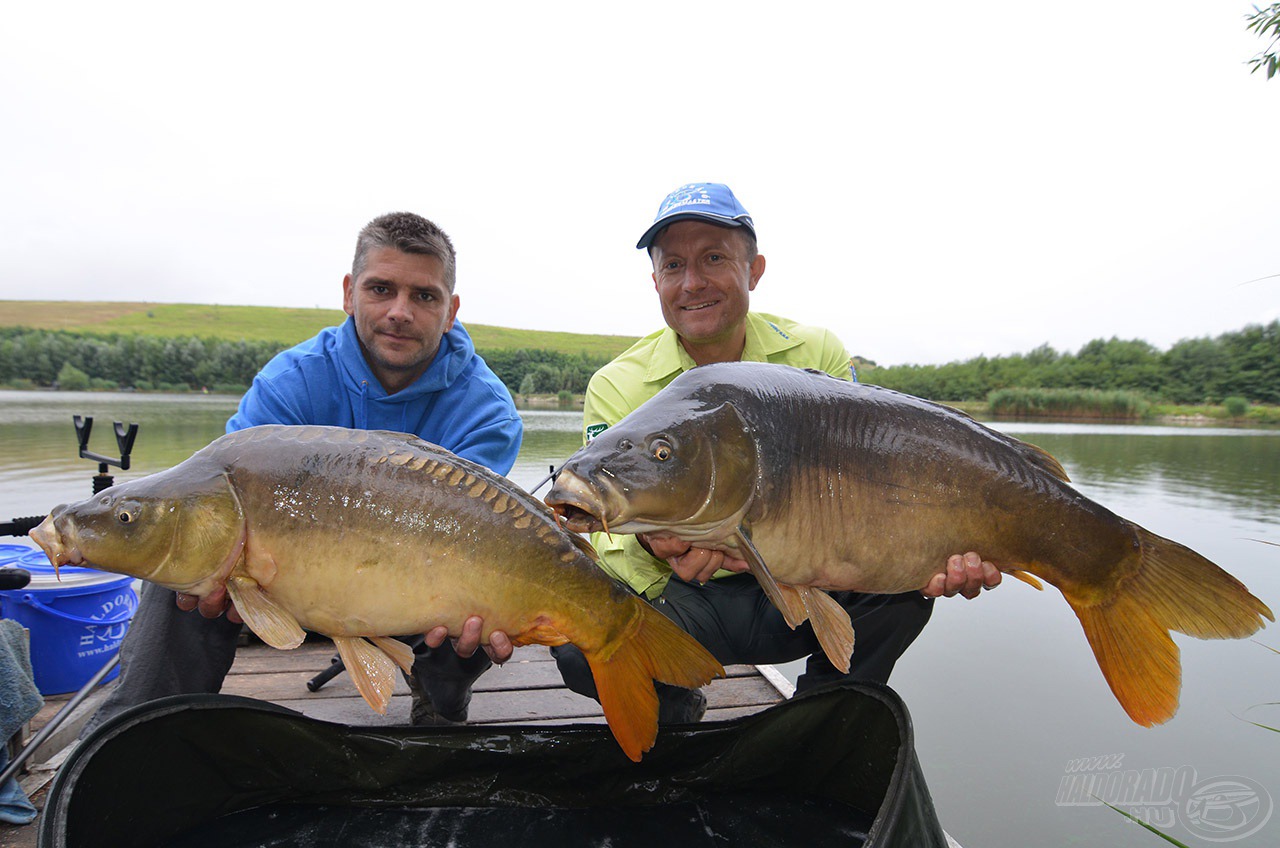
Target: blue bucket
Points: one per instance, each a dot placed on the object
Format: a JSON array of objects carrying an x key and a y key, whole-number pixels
[
  {"x": 10, "y": 553},
  {"x": 77, "y": 619}
]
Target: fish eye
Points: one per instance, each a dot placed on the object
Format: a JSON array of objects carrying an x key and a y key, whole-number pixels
[
  {"x": 661, "y": 450},
  {"x": 125, "y": 516}
]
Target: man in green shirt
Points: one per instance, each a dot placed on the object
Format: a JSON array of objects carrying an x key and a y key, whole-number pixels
[{"x": 705, "y": 265}]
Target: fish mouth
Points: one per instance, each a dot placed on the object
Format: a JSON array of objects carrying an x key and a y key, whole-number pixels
[
  {"x": 55, "y": 544},
  {"x": 578, "y": 504}
]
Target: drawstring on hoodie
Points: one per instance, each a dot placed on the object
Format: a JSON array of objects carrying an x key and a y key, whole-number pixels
[{"x": 362, "y": 410}]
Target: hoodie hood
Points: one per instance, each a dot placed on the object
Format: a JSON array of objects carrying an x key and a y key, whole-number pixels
[{"x": 450, "y": 362}]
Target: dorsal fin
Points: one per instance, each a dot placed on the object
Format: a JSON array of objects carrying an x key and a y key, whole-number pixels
[{"x": 1041, "y": 458}]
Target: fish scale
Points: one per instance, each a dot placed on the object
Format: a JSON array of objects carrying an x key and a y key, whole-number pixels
[
  {"x": 362, "y": 535},
  {"x": 822, "y": 484}
]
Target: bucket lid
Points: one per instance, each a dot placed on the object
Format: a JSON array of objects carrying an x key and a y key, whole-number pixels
[
  {"x": 43, "y": 575},
  {"x": 9, "y": 553}
]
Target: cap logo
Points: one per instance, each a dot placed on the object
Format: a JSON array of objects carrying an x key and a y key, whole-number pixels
[{"x": 687, "y": 195}]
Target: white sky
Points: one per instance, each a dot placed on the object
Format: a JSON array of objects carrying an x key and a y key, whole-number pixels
[{"x": 932, "y": 180}]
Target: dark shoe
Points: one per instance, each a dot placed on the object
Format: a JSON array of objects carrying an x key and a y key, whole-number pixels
[
  {"x": 423, "y": 714},
  {"x": 680, "y": 706}
]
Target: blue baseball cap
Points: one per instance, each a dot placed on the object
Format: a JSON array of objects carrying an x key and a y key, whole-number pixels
[{"x": 710, "y": 202}]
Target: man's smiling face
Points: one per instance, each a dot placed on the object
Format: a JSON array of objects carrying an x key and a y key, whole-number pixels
[{"x": 704, "y": 277}]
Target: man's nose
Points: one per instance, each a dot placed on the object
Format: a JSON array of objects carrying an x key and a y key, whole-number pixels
[
  {"x": 400, "y": 308},
  {"x": 692, "y": 280}
]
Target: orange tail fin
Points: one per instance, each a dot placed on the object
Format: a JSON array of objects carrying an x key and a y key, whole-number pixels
[
  {"x": 1170, "y": 588},
  {"x": 654, "y": 649}
]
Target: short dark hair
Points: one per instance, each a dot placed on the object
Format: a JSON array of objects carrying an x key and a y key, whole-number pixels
[
  {"x": 748, "y": 241},
  {"x": 408, "y": 233}
]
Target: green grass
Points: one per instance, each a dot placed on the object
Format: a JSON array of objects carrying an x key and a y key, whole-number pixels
[{"x": 260, "y": 323}]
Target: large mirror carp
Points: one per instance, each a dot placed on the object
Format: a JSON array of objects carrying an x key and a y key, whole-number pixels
[
  {"x": 362, "y": 536},
  {"x": 821, "y": 484}
]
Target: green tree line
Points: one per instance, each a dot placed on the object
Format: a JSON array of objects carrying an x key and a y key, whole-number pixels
[
  {"x": 1242, "y": 363},
  {"x": 82, "y": 360}
]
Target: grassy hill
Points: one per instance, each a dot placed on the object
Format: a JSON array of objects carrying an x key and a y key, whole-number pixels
[{"x": 259, "y": 323}]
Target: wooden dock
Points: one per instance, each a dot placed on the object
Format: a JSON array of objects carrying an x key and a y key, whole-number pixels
[{"x": 525, "y": 690}]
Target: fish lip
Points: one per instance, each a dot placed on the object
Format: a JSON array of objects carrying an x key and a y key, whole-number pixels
[
  {"x": 578, "y": 502},
  {"x": 54, "y": 544}
]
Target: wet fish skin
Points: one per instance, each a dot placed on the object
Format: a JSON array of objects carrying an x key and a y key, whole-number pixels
[
  {"x": 824, "y": 484},
  {"x": 361, "y": 535}
]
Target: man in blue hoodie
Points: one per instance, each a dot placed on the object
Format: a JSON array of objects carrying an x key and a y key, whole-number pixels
[{"x": 401, "y": 362}]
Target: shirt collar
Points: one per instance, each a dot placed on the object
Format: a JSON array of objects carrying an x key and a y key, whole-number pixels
[{"x": 764, "y": 339}]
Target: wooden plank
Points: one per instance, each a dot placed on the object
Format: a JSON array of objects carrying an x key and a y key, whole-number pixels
[
  {"x": 511, "y": 704},
  {"x": 310, "y": 659}
]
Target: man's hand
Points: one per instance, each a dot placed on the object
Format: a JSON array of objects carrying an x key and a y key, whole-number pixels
[
  {"x": 211, "y": 605},
  {"x": 966, "y": 575},
  {"x": 499, "y": 648},
  {"x": 692, "y": 565}
]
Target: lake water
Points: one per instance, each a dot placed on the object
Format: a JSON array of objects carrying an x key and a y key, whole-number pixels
[{"x": 1014, "y": 723}]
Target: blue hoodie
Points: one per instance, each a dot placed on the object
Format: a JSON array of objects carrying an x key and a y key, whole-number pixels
[{"x": 458, "y": 403}]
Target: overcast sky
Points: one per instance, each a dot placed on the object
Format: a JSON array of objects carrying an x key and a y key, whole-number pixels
[{"x": 932, "y": 181}]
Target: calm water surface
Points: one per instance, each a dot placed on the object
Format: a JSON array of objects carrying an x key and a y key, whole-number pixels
[{"x": 1004, "y": 692}]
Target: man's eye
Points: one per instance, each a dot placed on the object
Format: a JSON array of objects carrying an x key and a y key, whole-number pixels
[
  {"x": 378, "y": 289},
  {"x": 426, "y": 297},
  {"x": 715, "y": 257}
]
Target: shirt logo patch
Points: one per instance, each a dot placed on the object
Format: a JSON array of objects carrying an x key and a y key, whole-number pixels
[{"x": 595, "y": 430}]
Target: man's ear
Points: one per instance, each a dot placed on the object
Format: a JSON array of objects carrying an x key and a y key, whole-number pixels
[
  {"x": 348, "y": 295},
  {"x": 757, "y": 271},
  {"x": 454, "y": 302}
]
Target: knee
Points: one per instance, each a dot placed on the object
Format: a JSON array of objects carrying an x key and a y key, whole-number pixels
[{"x": 575, "y": 670}]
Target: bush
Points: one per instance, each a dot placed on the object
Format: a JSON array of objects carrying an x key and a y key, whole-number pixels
[
  {"x": 72, "y": 379},
  {"x": 1237, "y": 407},
  {"x": 564, "y": 397},
  {"x": 1069, "y": 403}
]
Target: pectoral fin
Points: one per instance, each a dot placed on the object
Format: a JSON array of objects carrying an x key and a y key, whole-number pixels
[
  {"x": 273, "y": 624},
  {"x": 831, "y": 625},
  {"x": 786, "y": 598},
  {"x": 371, "y": 669}
]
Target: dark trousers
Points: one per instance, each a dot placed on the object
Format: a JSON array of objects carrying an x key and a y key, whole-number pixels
[
  {"x": 170, "y": 652},
  {"x": 734, "y": 620}
]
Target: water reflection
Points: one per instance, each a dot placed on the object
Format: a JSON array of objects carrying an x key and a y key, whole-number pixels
[
  {"x": 1003, "y": 691},
  {"x": 1238, "y": 469},
  {"x": 40, "y": 466}
]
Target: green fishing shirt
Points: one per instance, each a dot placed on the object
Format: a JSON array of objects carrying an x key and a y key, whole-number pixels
[{"x": 646, "y": 368}]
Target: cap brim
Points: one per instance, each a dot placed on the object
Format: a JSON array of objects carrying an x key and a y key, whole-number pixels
[{"x": 720, "y": 220}]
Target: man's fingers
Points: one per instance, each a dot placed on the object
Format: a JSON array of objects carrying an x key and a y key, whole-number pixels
[
  {"x": 214, "y": 603},
  {"x": 936, "y": 586},
  {"x": 467, "y": 643},
  {"x": 186, "y": 602},
  {"x": 435, "y": 636},
  {"x": 697, "y": 565},
  {"x": 991, "y": 576},
  {"x": 499, "y": 647}
]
